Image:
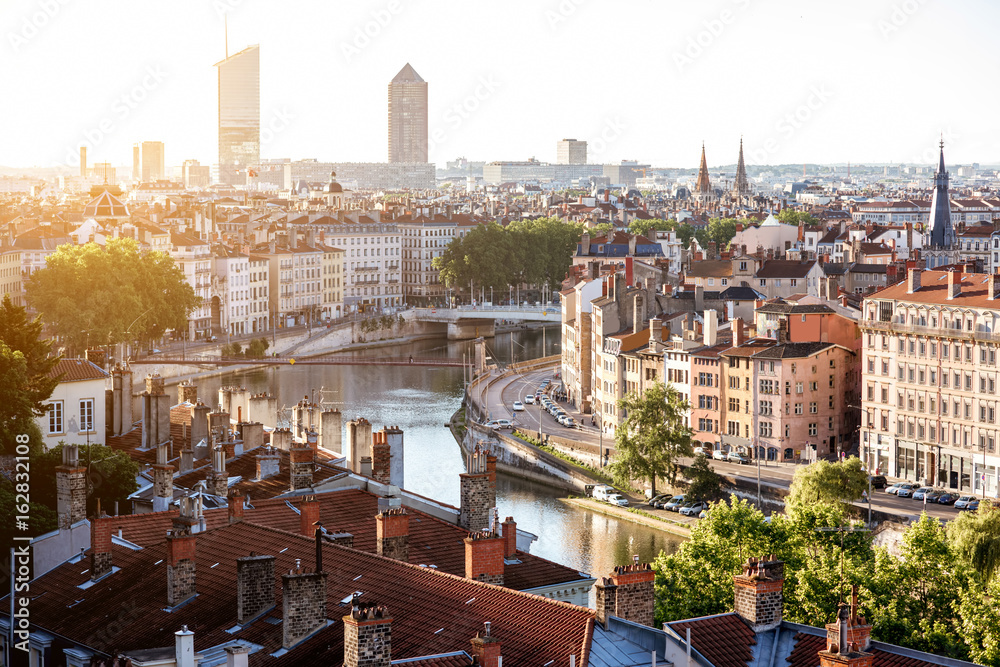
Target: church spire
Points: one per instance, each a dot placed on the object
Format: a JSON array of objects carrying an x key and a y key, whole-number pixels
[
  {"x": 942, "y": 234},
  {"x": 703, "y": 186},
  {"x": 741, "y": 186}
]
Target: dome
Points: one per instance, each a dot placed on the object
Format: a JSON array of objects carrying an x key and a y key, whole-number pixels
[{"x": 333, "y": 186}]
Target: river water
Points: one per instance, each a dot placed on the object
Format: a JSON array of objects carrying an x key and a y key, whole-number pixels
[{"x": 420, "y": 400}]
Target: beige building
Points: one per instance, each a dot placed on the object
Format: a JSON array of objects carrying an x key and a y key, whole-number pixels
[
  {"x": 929, "y": 380},
  {"x": 10, "y": 274},
  {"x": 333, "y": 282}
]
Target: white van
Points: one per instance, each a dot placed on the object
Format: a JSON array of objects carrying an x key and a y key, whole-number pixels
[{"x": 603, "y": 492}]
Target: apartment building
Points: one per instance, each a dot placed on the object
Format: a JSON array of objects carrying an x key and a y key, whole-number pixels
[
  {"x": 231, "y": 295},
  {"x": 333, "y": 282},
  {"x": 10, "y": 274},
  {"x": 423, "y": 238},
  {"x": 260, "y": 312},
  {"x": 195, "y": 259},
  {"x": 930, "y": 379}
]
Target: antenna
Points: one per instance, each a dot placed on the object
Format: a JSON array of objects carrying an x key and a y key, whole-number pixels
[{"x": 842, "y": 530}]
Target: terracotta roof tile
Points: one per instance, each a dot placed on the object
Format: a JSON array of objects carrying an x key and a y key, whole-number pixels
[
  {"x": 807, "y": 648},
  {"x": 724, "y": 639},
  {"x": 75, "y": 370}
]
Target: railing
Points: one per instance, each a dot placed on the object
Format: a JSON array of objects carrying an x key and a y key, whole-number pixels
[{"x": 942, "y": 332}]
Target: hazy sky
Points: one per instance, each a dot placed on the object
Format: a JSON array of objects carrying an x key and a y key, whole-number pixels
[{"x": 801, "y": 81}]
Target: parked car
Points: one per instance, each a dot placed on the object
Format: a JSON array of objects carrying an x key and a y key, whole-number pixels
[
  {"x": 618, "y": 499},
  {"x": 736, "y": 457},
  {"x": 657, "y": 498},
  {"x": 894, "y": 488},
  {"x": 569, "y": 422},
  {"x": 878, "y": 481},
  {"x": 517, "y": 407},
  {"x": 963, "y": 502},
  {"x": 719, "y": 455},
  {"x": 694, "y": 509},
  {"x": 674, "y": 504},
  {"x": 603, "y": 492},
  {"x": 906, "y": 490},
  {"x": 934, "y": 496},
  {"x": 529, "y": 399},
  {"x": 947, "y": 498},
  {"x": 972, "y": 505},
  {"x": 700, "y": 450},
  {"x": 703, "y": 514},
  {"x": 498, "y": 424},
  {"x": 920, "y": 492}
]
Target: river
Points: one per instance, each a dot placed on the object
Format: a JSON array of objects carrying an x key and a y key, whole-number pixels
[{"x": 420, "y": 400}]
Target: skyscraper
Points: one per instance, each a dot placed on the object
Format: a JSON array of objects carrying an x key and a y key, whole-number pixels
[
  {"x": 407, "y": 117},
  {"x": 239, "y": 114},
  {"x": 571, "y": 151},
  {"x": 148, "y": 163}
]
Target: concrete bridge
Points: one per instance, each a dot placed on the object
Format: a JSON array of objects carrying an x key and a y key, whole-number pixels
[{"x": 465, "y": 322}]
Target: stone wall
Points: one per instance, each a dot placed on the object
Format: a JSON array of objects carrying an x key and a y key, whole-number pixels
[
  {"x": 71, "y": 494},
  {"x": 759, "y": 602},
  {"x": 475, "y": 501},
  {"x": 304, "y": 605},
  {"x": 367, "y": 643},
  {"x": 634, "y": 594},
  {"x": 392, "y": 534},
  {"x": 254, "y": 586},
  {"x": 180, "y": 568}
]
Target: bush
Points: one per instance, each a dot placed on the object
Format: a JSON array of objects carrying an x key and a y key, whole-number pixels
[{"x": 257, "y": 348}]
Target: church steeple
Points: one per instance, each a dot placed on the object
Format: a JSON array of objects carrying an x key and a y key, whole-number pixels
[
  {"x": 942, "y": 234},
  {"x": 703, "y": 186},
  {"x": 741, "y": 186}
]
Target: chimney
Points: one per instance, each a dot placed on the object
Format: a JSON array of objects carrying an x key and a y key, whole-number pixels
[
  {"x": 184, "y": 647},
  {"x": 303, "y": 605},
  {"x": 380, "y": 457},
  {"x": 655, "y": 330},
  {"x": 330, "y": 437},
  {"x": 758, "y": 593},
  {"x": 478, "y": 490},
  {"x": 782, "y": 331},
  {"x": 484, "y": 559},
  {"x": 359, "y": 438},
  {"x": 237, "y": 656},
  {"x": 163, "y": 481},
  {"x": 912, "y": 279},
  {"x": 629, "y": 266},
  {"x": 121, "y": 401},
  {"x": 367, "y": 636},
  {"x": 739, "y": 337},
  {"x": 281, "y": 438},
  {"x": 954, "y": 283},
  {"x": 155, "y": 413},
  {"x": 585, "y": 244},
  {"x": 199, "y": 424},
  {"x": 100, "y": 546},
  {"x": 187, "y": 460},
  {"x": 392, "y": 534},
  {"x": 302, "y": 464},
  {"x": 486, "y": 648},
  {"x": 627, "y": 594},
  {"x": 859, "y": 631},
  {"x": 638, "y": 312},
  {"x": 699, "y": 298},
  {"x": 236, "y": 506},
  {"x": 268, "y": 462},
  {"x": 509, "y": 531},
  {"x": 308, "y": 516},
  {"x": 252, "y": 435},
  {"x": 711, "y": 330},
  {"x": 187, "y": 392},
  {"x": 180, "y": 566},
  {"x": 841, "y": 650},
  {"x": 994, "y": 286},
  {"x": 71, "y": 488},
  {"x": 254, "y": 587}
]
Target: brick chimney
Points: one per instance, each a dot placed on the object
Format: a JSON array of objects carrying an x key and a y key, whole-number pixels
[
  {"x": 478, "y": 490},
  {"x": 268, "y": 463},
  {"x": 254, "y": 587},
  {"x": 100, "y": 546},
  {"x": 509, "y": 530},
  {"x": 484, "y": 557},
  {"x": 627, "y": 594},
  {"x": 859, "y": 631},
  {"x": 380, "y": 457},
  {"x": 738, "y": 335},
  {"x": 912, "y": 279},
  {"x": 302, "y": 465},
  {"x": 155, "y": 413},
  {"x": 486, "y": 648},
  {"x": 367, "y": 636},
  {"x": 187, "y": 392},
  {"x": 841, "y": 651},
  {"x": 217, "y": 482},
  {"x": 954, "y": 283},
  {"x": 758, "y": 593},
  {"x": 303, "y": 605},
  {"x": 308, "y": 516},
  {"x": 392, "y": 533},
  {"x": 236, "y": 499},
  {"x": 180, "y": 566},
  {"x": 71, "y": 488}
]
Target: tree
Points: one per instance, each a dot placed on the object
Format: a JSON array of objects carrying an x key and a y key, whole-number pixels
[
  {"x": 603, "y": 228},
  {"x": 110, "y": 477},
  {"x": 653, "y": 436},
  {"x": 257, "y": 348},
  {"x": 976, "y": 537},
  {"x": 41, "y": 519},
  {"x": 25, "y": 336},
  {"x": 721, "y": 231},
  {"x": 705, "y": 482},
  {"x": 91, "y": 295},
  {"x": 685, "y": 233},
  {"x": 17, "y": 417},
  {"x": 797, "y": 218},
  {"x": 825, "y": 482},
  {"x": 641, "y": 227}
]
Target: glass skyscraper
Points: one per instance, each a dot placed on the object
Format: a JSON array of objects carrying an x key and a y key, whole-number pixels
[{"x": 239, "y": 114}]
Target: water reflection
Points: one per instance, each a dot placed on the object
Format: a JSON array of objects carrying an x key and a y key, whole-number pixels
[{"x": 420, "y": 401}]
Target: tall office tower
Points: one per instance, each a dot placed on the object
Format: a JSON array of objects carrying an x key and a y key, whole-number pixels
[
  {"x": 136, "y": 162},
  {"x": 239, "y": 114},
  {"x": 83, "y": 162},
  {"x": 152, "y": 164},
  {"x": 571, "y": 151},
  {"x": 407, "y": 117}
]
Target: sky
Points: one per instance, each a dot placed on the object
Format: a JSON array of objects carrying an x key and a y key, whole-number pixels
[{"x": 819, "y": 82}]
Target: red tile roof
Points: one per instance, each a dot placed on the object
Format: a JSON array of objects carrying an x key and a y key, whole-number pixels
[
  {"x": 724, "y": 639},
  {"x": 75, "y": 370},
  {"x": 433, "y": 612},
  {"x": 245, "y": 466},
  {"x": 807, "y": 648},
  {"x": 448, "y": 660}
]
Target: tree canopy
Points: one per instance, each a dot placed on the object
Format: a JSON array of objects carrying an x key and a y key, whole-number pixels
[
  {"x": 91, "y": 295},
  {"x": 641, "y": 227},
  {"x": 110, "y": 476},
  {"x": 798, "y": 218},
  {"x": 25, "y": 336},
  {"x": 653, "y": 436},
  {"x": 831, "y": 483}
]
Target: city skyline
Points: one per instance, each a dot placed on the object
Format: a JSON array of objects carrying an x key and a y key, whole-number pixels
[{"x": 799, "y": 84}]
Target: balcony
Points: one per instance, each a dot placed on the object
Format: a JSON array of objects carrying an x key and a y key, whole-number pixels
[
  {"x": 935, "y": 332},
  {"x": 366, "y": 268}
]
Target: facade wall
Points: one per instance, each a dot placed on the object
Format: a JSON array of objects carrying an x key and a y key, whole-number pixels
[{"x": 65, "y": 421}]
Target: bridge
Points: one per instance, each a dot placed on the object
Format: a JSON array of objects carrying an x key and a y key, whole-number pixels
[
  {"x": 436, "y": 362},
  {"x": 466, "y": 322}
]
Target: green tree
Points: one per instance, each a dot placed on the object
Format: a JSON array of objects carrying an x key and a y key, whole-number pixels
[
  {"x": 17, "y": 417},
  {"x": 721, "y": 231},
  {"x": 257, "y": 348},
  {"x": 91, "y": 295},
  {"x": 653, "y": 436},
  {"x": 41, "y": 519},
  {"x": 825, "y": 482},
  {"x": 979, "y": 622},
  {"x": 25, "y": 336},
  {"x": 976, "y": 538},
  {"x": 642, "y": 227},
  {"x": 111, "y": 476},
  {"x": 705, "y": 482},
  {"x": 685, "y": 233},
  {"x": 798, "y": 218},
  {"x": 603, "y": 228}
]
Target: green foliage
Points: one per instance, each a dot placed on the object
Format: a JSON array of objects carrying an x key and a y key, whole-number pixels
[
  {"x": 603, "y": 228},
  {"x": 41, "y": 519},
  {"x": 705, "y": 482},
  {"x": 91, "y": 295},
  {"x": 685, "y": 233},
  {"x": 257, "y": 348},
  {"x": 111, "y": 476},
  {"x": 17, "y": 416},
  {"x": 825, "y": 482},
  {"x": 792, "y": 217},
  {"x": 653, "y": 437},
  {"x": 979, "y": 622},
  {"x": 232, "y": 350},
  {"x": 642, "y": 227},
  {"x": 976, "y": 537},
  {"x": 720, "y": 231},
  {"x": 25, "y": 336}
]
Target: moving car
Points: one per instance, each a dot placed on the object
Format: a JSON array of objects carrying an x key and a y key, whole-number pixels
[
  {"x": 736, "y": 457},
  {"x": 719, "y": 455},
  {"x": 529, "y": 399},
  {"x": 517, "y": 407},
  {"x": 963, "y": 502},
  {"x": 618, "y": 499},
  {"x": 674, "y": 503}
]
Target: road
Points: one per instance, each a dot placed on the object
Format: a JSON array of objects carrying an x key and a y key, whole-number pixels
[{"x": 504, "y": 392}]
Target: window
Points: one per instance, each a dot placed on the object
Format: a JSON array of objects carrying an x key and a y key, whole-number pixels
[
  {"x": 813, "y": 407},
  {"x": 734, "y": 405},
  {"x": 798, "y": 408},
  {"x": 87, "y": 414},
  {"x": 765, "y": 408},
  {"x": 798, "y": 387},
  {"x": 813, "y": 429},
  {"x": 765, "y": 429},
  {"x": 56, "y": 417},
  {"x": 813, "y": 386}
]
